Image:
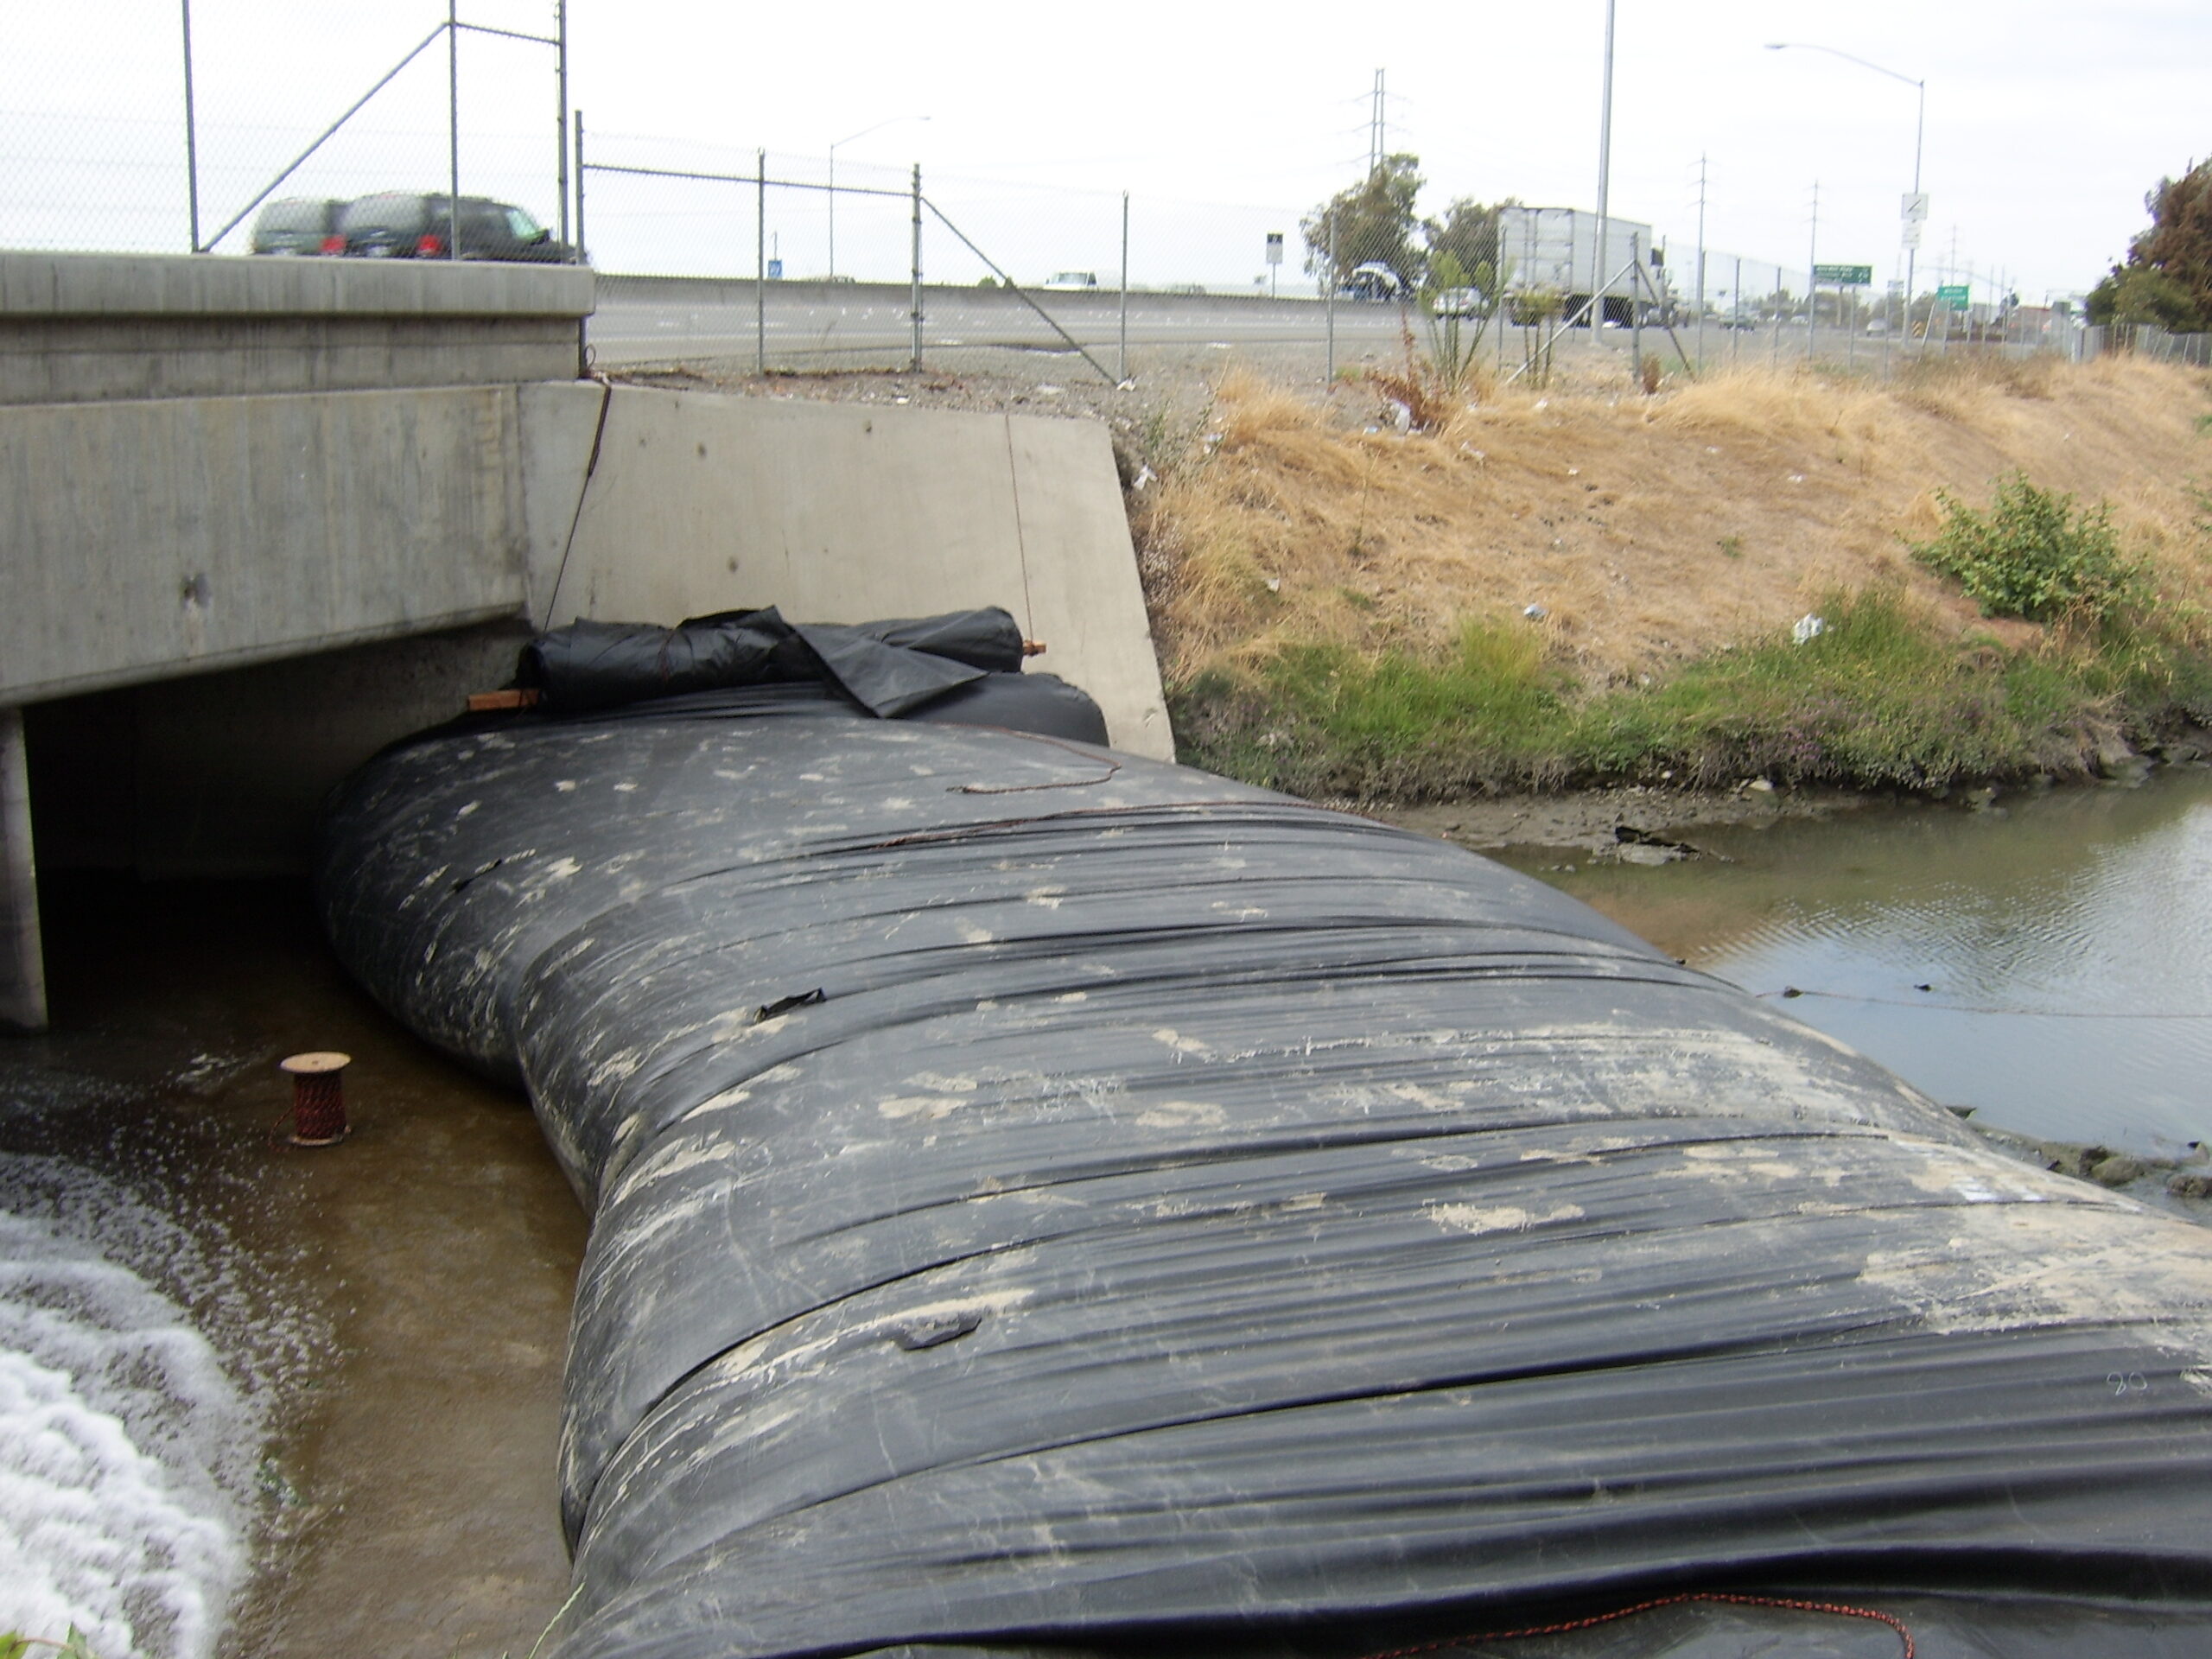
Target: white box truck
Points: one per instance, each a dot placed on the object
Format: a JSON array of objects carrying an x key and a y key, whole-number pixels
[{"x": 1555, "y": 248}]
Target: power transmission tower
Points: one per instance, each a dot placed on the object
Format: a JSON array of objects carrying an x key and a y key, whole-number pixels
[{"x": 1374, "y": 130}]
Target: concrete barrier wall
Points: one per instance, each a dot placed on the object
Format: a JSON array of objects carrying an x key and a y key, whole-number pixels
[
  {"x": 76, "y": 326},
  {"x": 842, "y": 512}
]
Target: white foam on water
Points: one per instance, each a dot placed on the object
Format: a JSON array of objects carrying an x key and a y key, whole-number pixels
[{"x": 128, "y": 1448}]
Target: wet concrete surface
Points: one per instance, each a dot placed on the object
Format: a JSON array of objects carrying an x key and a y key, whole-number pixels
[{"x": 424, "y": 1268}]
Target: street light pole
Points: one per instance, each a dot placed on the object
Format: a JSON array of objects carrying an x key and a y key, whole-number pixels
[
  {"x": 1919, "y": 139},
  {"x": 892, "y": 121},
  {"x": 1601, "y": 258}
]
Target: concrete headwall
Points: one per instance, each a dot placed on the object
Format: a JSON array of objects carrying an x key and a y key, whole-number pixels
[{"x": 843, "y": 512}]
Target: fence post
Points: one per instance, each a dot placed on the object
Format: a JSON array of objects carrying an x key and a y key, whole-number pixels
[
  {"x": 916, "y": 366},
  {"x": 1329, "y": 292},
  {"x": 453, "y": 127},
  {"x": 191, "y": 134},
  {"x": 582, "y": 257},
  {"x": 1635, "y": 310},
  {"x": 1125, "y": 285},
  {"x": 760, "y": 263},
  {"x": 561, "y": 115}
]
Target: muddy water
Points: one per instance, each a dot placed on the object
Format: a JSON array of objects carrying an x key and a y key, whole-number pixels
[
  {"x": 391, "y": 1313},
  {"x": 2045, "y": 959}
]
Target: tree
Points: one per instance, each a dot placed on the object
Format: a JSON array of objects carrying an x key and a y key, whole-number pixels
[
  {"x": 1468, "y": 231},
  {"x": 1373, "y": 223},
  {"x": 2139, "y": 293},
  {"x": 2167, "y": 278}
]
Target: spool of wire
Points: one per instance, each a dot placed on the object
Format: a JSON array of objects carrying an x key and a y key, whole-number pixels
[{"x": 318, "y": 1098}]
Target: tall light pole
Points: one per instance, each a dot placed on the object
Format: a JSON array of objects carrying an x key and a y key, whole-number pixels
[
  {"x": 1919, "y": 135},
  {"x": 1605, "y": 181},
  {"x": 892, "y": 121}
]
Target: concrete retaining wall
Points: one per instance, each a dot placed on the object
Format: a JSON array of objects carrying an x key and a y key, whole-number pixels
[{"x": 840, "y": 513}]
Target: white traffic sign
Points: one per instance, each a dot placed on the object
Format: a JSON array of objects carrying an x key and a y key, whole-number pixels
[{"x": 1913, "y": 209}]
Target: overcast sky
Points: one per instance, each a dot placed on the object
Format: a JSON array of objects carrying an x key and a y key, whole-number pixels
[{"x": 2046, "y": 120}]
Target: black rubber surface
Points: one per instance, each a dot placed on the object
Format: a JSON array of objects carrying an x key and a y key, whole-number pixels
[{"x": 1045, "y": 1196}]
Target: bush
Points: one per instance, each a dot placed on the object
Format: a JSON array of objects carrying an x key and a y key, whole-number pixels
[{"x": 2034, "y": 554}]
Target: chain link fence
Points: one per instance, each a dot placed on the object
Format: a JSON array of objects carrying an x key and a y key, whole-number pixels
[
  {"x": 744, "y": 260},
  {"x": 172, "y": 138}
]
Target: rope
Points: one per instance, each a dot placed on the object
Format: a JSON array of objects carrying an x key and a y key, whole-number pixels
[
  {"x": 318, "y": 1109},
  {"x": 1566, "y": 1626},
  {"x": 1111, "y": 765}
]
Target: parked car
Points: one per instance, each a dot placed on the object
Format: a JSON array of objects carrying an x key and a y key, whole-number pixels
[
  {"x": 1459, "y": 303},
  {"x": 1372, "y": 280},
  {"x": 298, "y": 225},
  {"x": 410, "y": 225},
  {"x": 1084, "y": 280}
]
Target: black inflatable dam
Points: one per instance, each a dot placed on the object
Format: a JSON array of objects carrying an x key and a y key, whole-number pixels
[{"x": 1042, "y": 1196}]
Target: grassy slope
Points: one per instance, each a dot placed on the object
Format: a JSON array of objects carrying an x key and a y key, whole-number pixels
[{"x": 1340, "y": 608}]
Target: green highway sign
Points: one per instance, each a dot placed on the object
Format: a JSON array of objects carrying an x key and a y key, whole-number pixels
[
  {"x": 1953, "y": 296},
  {"x": 1843, "y": 275}
]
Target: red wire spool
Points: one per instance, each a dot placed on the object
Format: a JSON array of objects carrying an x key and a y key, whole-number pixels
[{"x": 318, "y": 1098}]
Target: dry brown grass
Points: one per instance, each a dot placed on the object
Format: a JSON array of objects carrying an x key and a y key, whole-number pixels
[{"x": 1649, "y": 530}]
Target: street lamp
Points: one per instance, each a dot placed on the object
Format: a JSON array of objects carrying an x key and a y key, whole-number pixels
[
  {"x": 892, "y": 121},
  {"x": 1919, "y": 133}
]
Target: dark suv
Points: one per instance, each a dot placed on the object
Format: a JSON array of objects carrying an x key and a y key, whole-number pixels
[
  {"x": 403, "y": 224},
  {"x": 297, "y": 225}
]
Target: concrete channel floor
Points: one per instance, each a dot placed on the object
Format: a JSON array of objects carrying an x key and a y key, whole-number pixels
[{"x": 428, "y": 1260}]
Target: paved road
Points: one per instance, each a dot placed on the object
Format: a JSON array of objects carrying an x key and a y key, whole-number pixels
[
  {"x": 647, "y": 322},
  {"x": 815, "y": 325}
]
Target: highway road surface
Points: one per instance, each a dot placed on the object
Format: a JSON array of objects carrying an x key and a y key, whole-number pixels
[
  {"x": 710, "y": 322},
  {"x": 656, "y": 321}
]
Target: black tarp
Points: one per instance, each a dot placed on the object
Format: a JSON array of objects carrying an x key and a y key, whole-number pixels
[
  {"x": 887, "y": 668},
  {"x": 1042, "y": 1195}
]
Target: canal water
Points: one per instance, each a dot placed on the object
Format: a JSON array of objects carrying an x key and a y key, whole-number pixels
[
  {"x": 258, "y": 1402},
  {"x": 2044, "y": 958}
]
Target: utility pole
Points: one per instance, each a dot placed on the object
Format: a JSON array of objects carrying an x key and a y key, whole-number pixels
[
  {"x": 1374, "y": 123},
  {"x": 1601, "y": 260}
]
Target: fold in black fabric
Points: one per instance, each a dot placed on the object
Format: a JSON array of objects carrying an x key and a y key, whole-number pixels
[{"x": 888, "y": 668}]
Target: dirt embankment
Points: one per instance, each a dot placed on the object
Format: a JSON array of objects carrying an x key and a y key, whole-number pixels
[{"x": 1636, "y": 533}]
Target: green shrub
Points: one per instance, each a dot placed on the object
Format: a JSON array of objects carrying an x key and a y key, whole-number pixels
[{"x": 2034, "y": 554}]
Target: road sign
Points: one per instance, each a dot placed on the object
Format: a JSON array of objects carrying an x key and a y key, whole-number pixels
[
  {"x": 1909, "y": 237},
  {"x": 1275, "y": 247},
  {"x": 1914, "y": 208},
  {"x": 1953, "y": 295},
  {"x": 1843, "y": 275}
]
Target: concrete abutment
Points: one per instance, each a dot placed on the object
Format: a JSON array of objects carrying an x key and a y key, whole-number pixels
[{"x": 259, "y": 517}]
